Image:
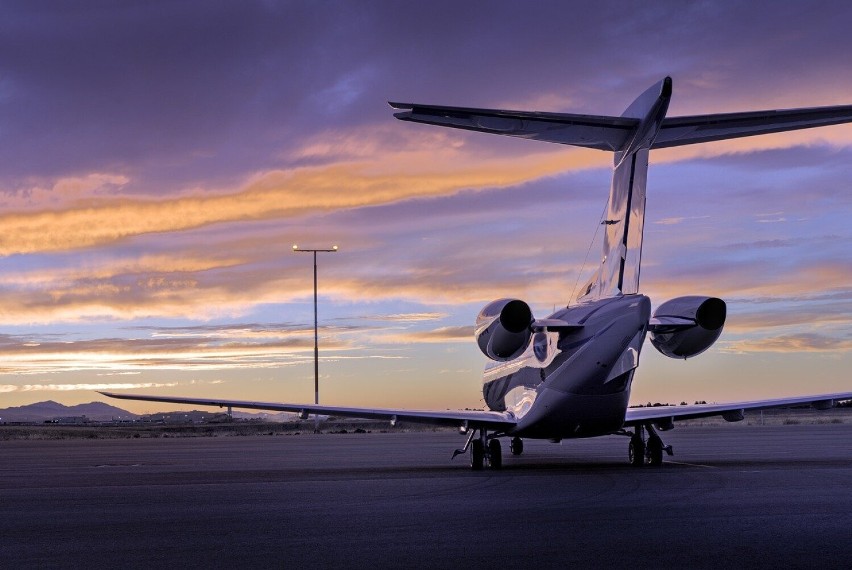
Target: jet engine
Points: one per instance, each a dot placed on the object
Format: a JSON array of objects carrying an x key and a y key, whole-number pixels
[
  {"x": 503, "y": 329},
  {"x": 687, "y": 326}
]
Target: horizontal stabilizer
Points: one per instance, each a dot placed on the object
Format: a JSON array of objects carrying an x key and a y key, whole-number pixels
[
  {"x": 590, "y": 131},
  {"x": 677, "y": 131},
  {"x": 613, "y": 133}
]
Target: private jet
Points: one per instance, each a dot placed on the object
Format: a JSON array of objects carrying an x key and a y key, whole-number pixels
[{"x": 569, "y": 375}]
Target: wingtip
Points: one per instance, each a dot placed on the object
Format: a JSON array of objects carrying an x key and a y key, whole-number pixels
[
  {"x": 404, "y": 106},
  {"x": 667, "y": 87}
]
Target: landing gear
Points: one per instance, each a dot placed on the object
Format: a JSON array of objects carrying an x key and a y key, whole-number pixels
[
  {"x": 636, "y": 450},
  {"x": 654, "y": 450},
  {"x": 516, "y": 446},
  {"x": 483, "y": 450},
  {"x": 477, "y": 455},
  {"x": 641, "y": 452},
  {"x": 495, "y": 454}
]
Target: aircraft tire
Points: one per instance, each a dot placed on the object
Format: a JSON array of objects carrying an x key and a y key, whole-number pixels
[
  {"x": 495, "y": 454},
  {"x": 636, "y": 452},
  {"x": 655, "y": 451},
  {"x": 516, "y": 446},
  {"x": 477, "y": 455}
]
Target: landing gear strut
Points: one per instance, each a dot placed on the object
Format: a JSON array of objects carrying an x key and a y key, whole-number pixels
[
  {"x": 477, "y": 455},
  {"x": 654, "y": 450},
  {"x": 484, "y": 450},
  {"x": 650, "y": 452}
]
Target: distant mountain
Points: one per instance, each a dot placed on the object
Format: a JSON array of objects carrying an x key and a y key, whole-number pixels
[{"x": 42, "y": 411}]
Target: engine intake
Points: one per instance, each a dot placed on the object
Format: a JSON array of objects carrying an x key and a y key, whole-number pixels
[
  {"x": 687, "y": 326},
  {"x": 503, "y": 329}
]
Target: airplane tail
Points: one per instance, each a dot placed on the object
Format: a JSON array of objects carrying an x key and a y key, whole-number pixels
[
  {"x": 625, "y": 216},
  {"x": 642, "y": 128}
]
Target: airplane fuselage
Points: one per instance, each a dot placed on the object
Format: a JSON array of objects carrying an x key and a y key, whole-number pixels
[{"x": 574, "y": 383}]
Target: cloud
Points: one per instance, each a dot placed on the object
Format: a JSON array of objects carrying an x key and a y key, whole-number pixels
[
  {"x": 271, "y": 195},
  {"x": 7, "y": 388},
  {"x": 675, "y": 220},
  {"x": 23, "y": 356},
  {"x": 804, "y": 342},
  {"x": 404, "y": 317},
  {"x": 439, "y": 335},
  {"x": 64, "y": 192}
]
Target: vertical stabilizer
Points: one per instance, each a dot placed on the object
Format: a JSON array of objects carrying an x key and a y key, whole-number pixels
[{"x": 625, "y": 216}]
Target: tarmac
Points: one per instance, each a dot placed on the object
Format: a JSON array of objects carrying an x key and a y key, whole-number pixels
[{"x": 730, "y": 497}]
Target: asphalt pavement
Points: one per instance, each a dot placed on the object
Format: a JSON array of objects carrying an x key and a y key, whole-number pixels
[{"x": 731, "y": 496}]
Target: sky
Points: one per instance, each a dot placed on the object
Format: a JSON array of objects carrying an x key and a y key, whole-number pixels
[{"x": 160, "y": 159}]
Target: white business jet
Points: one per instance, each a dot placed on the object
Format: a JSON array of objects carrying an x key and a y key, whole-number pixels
[{"x": 569, "y": 375}]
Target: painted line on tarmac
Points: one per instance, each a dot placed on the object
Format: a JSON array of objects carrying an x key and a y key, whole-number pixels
[{"x": 693, "y": 464}]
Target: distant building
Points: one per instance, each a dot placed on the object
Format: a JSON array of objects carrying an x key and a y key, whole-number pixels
[
  {"x": 69, "y": 420},
  {"x": 193, "y": 417}
]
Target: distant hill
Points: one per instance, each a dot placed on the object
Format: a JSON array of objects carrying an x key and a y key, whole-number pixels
[
  {"x": 42, "y": 411},
  {"x": 101, "y": 412}
]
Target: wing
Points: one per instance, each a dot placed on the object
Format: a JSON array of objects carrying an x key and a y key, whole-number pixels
[
  {"x": 591, "y": 131},
  {"x": 733, "y": 409},
  {"x": 677, "y": 131},
  {"x": 473, "y": 419}
]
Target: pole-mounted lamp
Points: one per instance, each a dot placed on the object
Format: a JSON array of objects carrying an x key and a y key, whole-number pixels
[{"x": 297, "y": 249}]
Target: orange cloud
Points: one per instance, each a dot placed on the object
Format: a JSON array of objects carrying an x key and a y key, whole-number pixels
[
  {"x": 7, "y": 388},
  {"x": 270, "y": 195},
  {"x": 193, "y": 353},
  {"x": 80, "y": 212},
  {"x": 803, "y": 342},
  {"x": 439, "y": 335}
]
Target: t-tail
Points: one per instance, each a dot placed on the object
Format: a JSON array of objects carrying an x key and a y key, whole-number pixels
[{"x": 641, "y": 128}]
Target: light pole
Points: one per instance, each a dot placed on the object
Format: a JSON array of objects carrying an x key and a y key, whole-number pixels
[{"x": 333, "y": 249}]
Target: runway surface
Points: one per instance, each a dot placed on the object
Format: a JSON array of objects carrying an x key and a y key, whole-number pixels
[{"x": 731, "y": 496}]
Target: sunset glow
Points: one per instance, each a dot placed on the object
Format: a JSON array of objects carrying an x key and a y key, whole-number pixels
[{"x": 160, "y": 163}]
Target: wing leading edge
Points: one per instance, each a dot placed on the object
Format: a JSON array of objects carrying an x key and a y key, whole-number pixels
[
  {"x": 636, "y": 416},
  {"x": 498, "y": 421}
]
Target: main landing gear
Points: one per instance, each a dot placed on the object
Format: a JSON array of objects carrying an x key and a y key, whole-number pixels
[
  {"x": 647, "y": 452},
  {"x": 516, "y": 446},
  {"x": 484, "y": 450}
]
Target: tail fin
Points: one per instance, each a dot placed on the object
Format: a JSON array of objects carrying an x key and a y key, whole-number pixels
[
  {"x": 625, "y": 217},
  {"x": 642, "y": 127}
]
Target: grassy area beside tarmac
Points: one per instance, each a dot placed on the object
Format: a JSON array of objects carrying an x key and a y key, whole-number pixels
[{"x": 221, "y": 429}]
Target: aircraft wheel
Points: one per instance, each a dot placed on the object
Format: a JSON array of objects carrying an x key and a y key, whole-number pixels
[
  {"x": 516, "y": 446},
  {"x": 636, "y": 452},
  {"x": 655, "y": 450},
  {"x": 477, "y": 455},
  {"x": 495, "y": 454}
]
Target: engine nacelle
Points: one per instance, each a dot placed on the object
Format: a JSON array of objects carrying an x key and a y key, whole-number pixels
[
  {"x": 503, "y": 329},
  {"x": 673, "y": 335}
]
